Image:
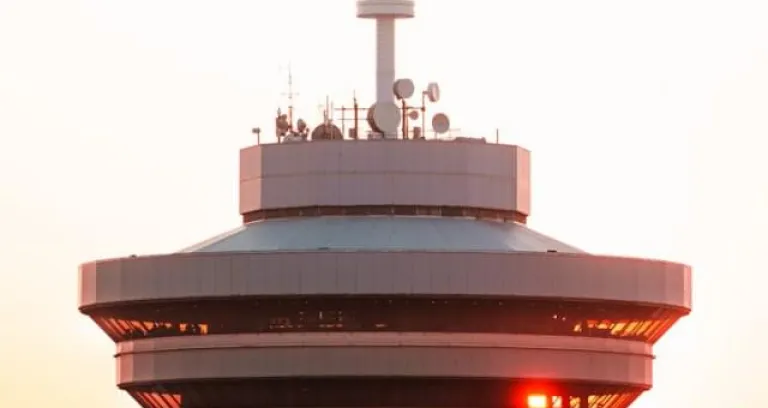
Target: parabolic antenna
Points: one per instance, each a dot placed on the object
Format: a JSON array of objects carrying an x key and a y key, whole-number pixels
[
  {"x": 384, "y": 117},
  {"x": 327, "y": 131},
  {"x": 433, "y": 92},
  {"x": 403, "y": 88},
  {"x": 301, "y": 125},
  {"x": 440, "y": 123},
  {"x": 413, "y": 115},
  {"x": 281, "y": 122}
]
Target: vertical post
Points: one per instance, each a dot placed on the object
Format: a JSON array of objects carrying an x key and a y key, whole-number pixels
[
  {"x": 357, "y": 125},
  {"x": 343, "y": 124},
  {"x": 290, "y": 96},
  {"x": 424, "y": 114},
  {"x": 405, "y": 119},
  {"x": 497, "y": 135},
  {"x": 257, "y": 131}
]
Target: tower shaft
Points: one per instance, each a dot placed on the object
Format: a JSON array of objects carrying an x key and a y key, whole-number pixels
[
  {"x": 385, "y": 12},
  {"x": 385, "y": 59}
]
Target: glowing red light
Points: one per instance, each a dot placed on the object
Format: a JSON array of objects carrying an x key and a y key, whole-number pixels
[{"x": 537, "y": 401}]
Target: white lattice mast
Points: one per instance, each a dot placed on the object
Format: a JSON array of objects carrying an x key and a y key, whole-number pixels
[{"x": 385, "y": 12}]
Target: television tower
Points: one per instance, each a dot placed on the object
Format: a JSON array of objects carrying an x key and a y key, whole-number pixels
[{"x": 384, "y": 273}]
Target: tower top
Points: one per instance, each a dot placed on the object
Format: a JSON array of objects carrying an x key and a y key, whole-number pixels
[
  {"x": 385, "y": 8},
  {"x": 385, "y": 12}
]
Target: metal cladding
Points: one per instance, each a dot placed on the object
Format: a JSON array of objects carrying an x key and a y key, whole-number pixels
[
  {"x": 385, "y": 8},
  {"x": 384, "y": 273},
  {"x": 426, "y": 176}
]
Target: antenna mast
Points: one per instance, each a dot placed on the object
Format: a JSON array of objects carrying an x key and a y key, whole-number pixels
[{"x": 290, "y": 94}]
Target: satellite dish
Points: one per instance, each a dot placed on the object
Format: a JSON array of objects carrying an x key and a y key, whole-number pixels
[
  {"x": 433, "y": 92},
  {"x": 281, "y": 122},
  {"x": 441, "y": 123},
  {"x": 327, "y": 131},
  {"x": 384, "y": 117},
  {"x": 301, "y": 125},
  {"x": 403, "y": 88},
  {"x": 413, "y": 115}
]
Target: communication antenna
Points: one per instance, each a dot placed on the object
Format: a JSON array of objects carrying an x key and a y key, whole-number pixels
[
  {"x": 384, "y": 118},
  {"x": 354, "y": 131},
  {"x": 433, "y": 92},
  {"x": 327, "y": 110},
  {"x": 290, "y": 94},
  {"x": 403, "y": 88},
  {"x": 441, "y": 123}
]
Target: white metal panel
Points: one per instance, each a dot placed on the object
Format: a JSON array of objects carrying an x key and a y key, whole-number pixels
[
  {"x": 377, "y": 8},
  {"x": 376, "y": 361},
  {"x": 386, "y": 339},
  {"x": 347, "y": 173},
  {"x": 562, "y": 276}
]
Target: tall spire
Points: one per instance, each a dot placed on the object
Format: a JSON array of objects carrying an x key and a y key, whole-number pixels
[{"x": 385, "y": 12}]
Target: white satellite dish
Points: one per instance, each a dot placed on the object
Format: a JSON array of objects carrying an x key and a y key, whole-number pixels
[
  {"x": 413, "y": 115},
  {"x": 433, "y": 92},
  {"x": 404, "y": 88},
  {"x": 384, "y": 118},
  {"x": 440, "y": 123}
]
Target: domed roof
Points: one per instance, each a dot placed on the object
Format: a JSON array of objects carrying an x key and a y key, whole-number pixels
[
  {"x": 327, "y": 131},
  {"x": 381, "y": 233}
]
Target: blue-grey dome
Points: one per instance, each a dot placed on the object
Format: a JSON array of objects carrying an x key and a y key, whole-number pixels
[{"x": 381, "y": 233}]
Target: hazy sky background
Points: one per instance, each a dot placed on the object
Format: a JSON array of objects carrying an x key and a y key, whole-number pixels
[{"x": 120, "y": 124}]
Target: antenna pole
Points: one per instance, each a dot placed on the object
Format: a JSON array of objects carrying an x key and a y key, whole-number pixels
[
  {"x": 355, "y": 107},
  {"x": 290, "y": 95},
  {"x": 424, "y": 114},
  {"x": 343, "y": 123},
  {"x": 405, "y": 119}
]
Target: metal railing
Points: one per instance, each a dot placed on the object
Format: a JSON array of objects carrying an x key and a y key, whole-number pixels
[{"x": 452, "y": 135}]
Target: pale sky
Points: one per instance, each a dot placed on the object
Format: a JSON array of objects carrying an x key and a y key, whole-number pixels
[{"x": 120, "y": 124}]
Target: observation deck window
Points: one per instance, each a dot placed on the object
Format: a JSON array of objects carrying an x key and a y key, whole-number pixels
[{"x": 632, "y": 322}]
